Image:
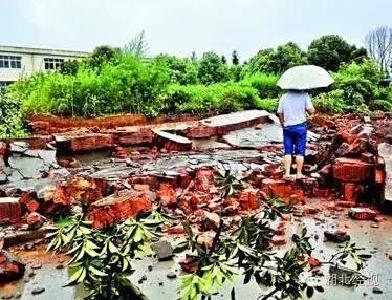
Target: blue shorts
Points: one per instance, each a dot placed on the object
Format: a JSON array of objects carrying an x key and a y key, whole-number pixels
[{"x": 295, "y": 135}]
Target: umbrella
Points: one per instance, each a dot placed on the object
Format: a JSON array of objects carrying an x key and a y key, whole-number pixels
[{"x": 305, "y": 78}]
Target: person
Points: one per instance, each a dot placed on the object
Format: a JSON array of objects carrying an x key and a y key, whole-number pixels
[{"x": 293, "y": 106}]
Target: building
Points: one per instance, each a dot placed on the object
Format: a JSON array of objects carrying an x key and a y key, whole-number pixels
[{"x": 20, "y": 62}]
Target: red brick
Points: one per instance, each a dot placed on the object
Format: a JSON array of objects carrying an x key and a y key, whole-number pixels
[
  {"x": 321, "y": 193},
  {"x": 367, "y": 157},
  {"x": 201, "y": 132},
  {"x": 84, "y": 142},
  {"x": 249, "y": 199},
  {"x": 362, "y": 213},
  {"x": 35, "y": 220},
  {"x": 10, "y": 209},
  {"x": 129, "y": 138},
  {"x": 351, "y": 170},
  {"x": 203, "y": 180},
  {"x": 116, "y": 208},
  {"x": 283, "y": 189},
  {"x": 166, "y": 195},
  {"x": 352, "y": 192}
]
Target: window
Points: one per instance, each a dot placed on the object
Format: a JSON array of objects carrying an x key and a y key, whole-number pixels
[
  {"x": 13, "y": 62},
  {"x": 52, "y": 63}
]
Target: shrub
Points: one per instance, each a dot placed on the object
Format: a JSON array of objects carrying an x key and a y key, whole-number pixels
[
  {"x": 218, "y": 98},
  {"x": 366, "y": 70},
  {"x": 331, "y": 102},
  {"x": 211, "y": 69},
  {"x": 11, "y": 117},
  {"x": 270, "y": 105},
  {"x": 265, "y": 84},
  {"x": 182, "y": 71},
  {"x": 356, "y": 91},
  {"x": 381, "y": 105}
]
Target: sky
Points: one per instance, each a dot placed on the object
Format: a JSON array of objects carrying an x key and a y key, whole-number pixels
[{"x": 179, "y": 27}]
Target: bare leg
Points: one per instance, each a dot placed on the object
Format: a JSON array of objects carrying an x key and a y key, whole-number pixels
[
  {"x": 300, "y": 163},
  {"x": 287, "y": 165}
]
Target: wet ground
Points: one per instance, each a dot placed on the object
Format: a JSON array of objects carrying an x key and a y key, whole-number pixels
[{"x": 377, "y": 241}]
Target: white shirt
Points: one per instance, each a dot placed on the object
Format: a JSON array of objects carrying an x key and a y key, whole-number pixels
[{"x": 293, "y": 106}]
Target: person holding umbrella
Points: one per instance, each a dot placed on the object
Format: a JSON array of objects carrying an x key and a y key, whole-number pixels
[{"x": 293, "y": 108}]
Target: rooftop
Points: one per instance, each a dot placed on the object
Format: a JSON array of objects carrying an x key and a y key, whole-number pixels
[{"x": 42, "y": 51}]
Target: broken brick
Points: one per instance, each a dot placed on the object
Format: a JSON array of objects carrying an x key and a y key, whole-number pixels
[
  {"x": 362, "y": 213},
  {"x": 116, "y": 208},
  {"x": 34, "y": 220},
  {"x": 10, "y": 209},
  {"x": 11, "y": 267},
  {"x": 166, "y": 195},
  {"x": 352, "y": 192},
  {"x": 351, "y": 170},
  {"x": 249, "y": 199},
  {"x": 208, "y": 220}
]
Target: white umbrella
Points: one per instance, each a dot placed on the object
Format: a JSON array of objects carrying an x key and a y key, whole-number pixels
[{"x": 305, "y": 78}]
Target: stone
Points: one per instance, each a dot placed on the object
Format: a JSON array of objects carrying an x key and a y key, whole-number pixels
[
  {"x": 172, "y": 275},
  {"x": 337, "y": 236},
  {"x": 36, "y": 266},
  {"x": 37, "y": 290},
  {"x": 362, "y": 213},
  {"x": 374, "y": 225},
  {"x": 172, "y": 141},
  {"x": 35, "y": 220},
  {"x": 116, "y": 208},
  {"x": 11, "y": 267},
  {"x": 10, "y": 209},
  {"x": 60, "y": 266},
  {"x": 377, "y": 290},
  {"x": 163, "y": 249},
  {"x": 351, "y": 170}
]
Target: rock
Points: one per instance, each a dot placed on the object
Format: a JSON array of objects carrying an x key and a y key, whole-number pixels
[
  {"x": 142, "y": 279},
  {"x": 35, "y": 220},
  {"x": 149, "y": 268},
  {"x": 36, "y": 266},
  {"x": 374, "y": 225},
  {"x": 337, "y": 236},
  {"x": 59, "y": 266},
  {"x": 10, "y": 209},
  {"x": 11, "y": 267},
  {"x": 172, "y": 141},
  {"x": 116, "y": 208},
  {"x": 163, "y": 249},
  {"x": 37, "y": 290},
  {"x": 361, "y": 213},
  {"x": 171, "y": 275},
  {"x": 377, "y": 290}
]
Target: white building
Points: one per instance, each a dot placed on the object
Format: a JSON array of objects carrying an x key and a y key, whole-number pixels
[{"x": 19, "y": 62}]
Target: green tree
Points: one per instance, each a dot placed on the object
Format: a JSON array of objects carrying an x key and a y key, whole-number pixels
[
  {"x": 223, "y": 59},
  {"x": 235, "y": 58},
  {"x": 277, "y": 61},
  {"x": 69, "y": 67},
  {"x": 211, "y": 69},
  {"x": 101, "y": 55},
  {"x": 329, "y": 52},
  {"x": 182, "y": 71}
]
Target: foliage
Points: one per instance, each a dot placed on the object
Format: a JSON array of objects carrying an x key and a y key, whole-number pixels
[
  {"x": 217, "y": 98},
  {"x": 356, "y": 91},
  {"x": 137, "y": 47},
  {"x": 229, "y": 181},
  {"x": 11, "y": 117},
  {"x": 270, "y": 105},
  {"x": 331, "y": 102},
  {"x": 101, "y": 55},
  {"x": 130, "y": 85},
  {"x": 102, "y": 260},
  {"x": 382, "y": 105},
  {"x": 211, "y": 69},
  {"x": 182, "y": 71},
  {"x": 330, "y": 52},
  {"x": 277, "y": 61},
  {"x": 264, "y": 83},
  {"x": 367, "y": 70},
  {"x": 69, "y": 67}
]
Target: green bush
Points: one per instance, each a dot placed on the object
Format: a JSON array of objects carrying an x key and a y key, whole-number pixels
[
  {"x": 11, "y": 117},
  {"x": 356, "y": 91},
  {"x": 182, "y": 71},
  {"x": 265, "y": 84},
  {"x": 381, "y": 105},
  {"x": 330, "y": 103},
  {"x": 270, "y": 105},
  {"x": 218, "y": 98},
  {"x": 129, "y": 85}
]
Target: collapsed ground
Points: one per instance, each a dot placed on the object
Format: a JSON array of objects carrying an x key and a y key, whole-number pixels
[{"x": 118, "y": 172}]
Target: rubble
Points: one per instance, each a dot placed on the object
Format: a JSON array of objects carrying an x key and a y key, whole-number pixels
[
  {"x": 10, "y": 210},
  {"x": 11, "y": 267},
  {"x": 163, "y": 249},
  {"x": 362, "y": 213}
]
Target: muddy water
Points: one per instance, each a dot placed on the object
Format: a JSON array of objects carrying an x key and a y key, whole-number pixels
[{"x": 377, "y": 241}]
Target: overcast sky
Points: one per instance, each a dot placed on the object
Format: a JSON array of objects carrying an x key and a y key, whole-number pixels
[{"x": 182, "y": 26}]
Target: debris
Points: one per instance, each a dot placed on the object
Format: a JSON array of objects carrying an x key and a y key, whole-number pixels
[
  {"x": 172, "y": 275},
  {"x": 377, "y": 290},
  {"x": 361, "y": 213},
  {"x": 337, "y": 236},
  {"x": 35, "y": 220},
  {"x": 10, "y": 210},
  {"x": 11, "y": 267},
  {"x": 163, "y": 249},
  {"x": 37, "y": 290}
]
